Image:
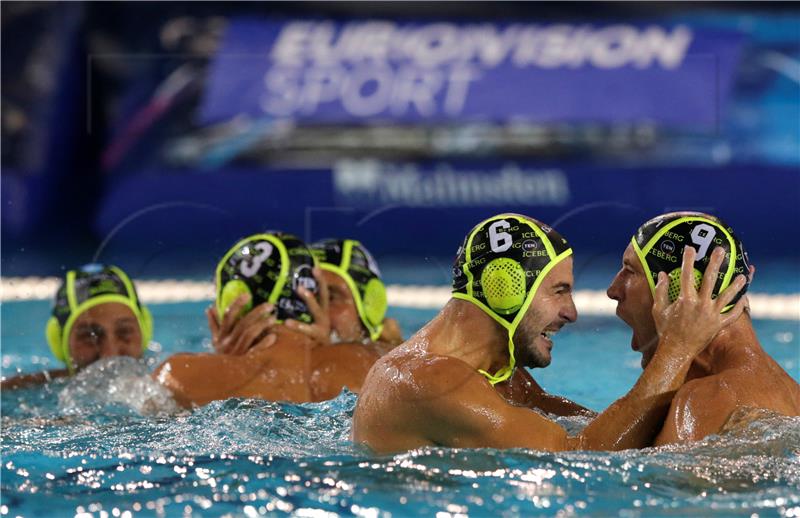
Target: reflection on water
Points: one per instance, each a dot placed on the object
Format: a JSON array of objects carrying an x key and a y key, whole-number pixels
[{"x": 111, "y": 441}]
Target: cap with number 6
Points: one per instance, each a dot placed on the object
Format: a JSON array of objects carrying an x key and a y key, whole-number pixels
[
  {"x": 499, "y": 267},
  {"x": 659, "y": 244},
  {"x": 270, "y": 267}
]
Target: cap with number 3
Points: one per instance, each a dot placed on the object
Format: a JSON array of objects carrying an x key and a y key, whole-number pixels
[{"x": 270, "y": 267}]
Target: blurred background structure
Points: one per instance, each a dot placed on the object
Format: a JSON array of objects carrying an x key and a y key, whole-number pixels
[{"x": 154, "y": 135}]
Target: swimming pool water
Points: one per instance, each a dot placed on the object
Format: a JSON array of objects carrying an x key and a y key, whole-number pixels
[{"x": 110, "y": 442}]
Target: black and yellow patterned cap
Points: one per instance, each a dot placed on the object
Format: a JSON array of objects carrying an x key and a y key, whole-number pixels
[
  {"x": 660, "y": 241},
  {"x": 500, "y": 266}
]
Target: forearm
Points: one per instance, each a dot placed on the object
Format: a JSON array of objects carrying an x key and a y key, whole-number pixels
[
  {"x": 29, "y": 380},
  {"x": 201, "y": 378},
  {"x": 523, "y": 390},
  {"x": 633, "y": 420},
  {"x": 560, "y": 406}
]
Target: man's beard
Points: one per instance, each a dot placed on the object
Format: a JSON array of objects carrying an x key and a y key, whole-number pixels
[{"x": 525, "y": 351}]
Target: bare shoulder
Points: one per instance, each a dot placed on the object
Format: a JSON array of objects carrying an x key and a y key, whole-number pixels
[
  {"x": 343, "y": 353},
  {"x": 708, "y": 395},
  {"x": 425, "y": 373},
  {"x": 410, "y": 380},
  {"x": 700, "y": 408}
]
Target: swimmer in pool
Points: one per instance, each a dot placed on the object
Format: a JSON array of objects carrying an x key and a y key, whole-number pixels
[
  {"x": 512, "y": 291},
  {"x": 733, "y": 370},
  {"x": 96, "y": 314},
  {"x": 359, "y": 331},
  {"x": 269, "y": 269},
  {"x": 348, "y": 323}
]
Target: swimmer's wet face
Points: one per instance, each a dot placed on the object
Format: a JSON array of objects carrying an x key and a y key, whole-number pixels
[
  {"x": 102, "y": 331},
  {"x": 552, "y": 307},
  {"x": 635, "y": 304},
  {"x": 345, "y": 322}
]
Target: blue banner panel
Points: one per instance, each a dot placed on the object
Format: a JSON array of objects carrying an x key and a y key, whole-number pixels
[
  {"x": 322, "y": 71},
  {"x": 426, "y": 209}
]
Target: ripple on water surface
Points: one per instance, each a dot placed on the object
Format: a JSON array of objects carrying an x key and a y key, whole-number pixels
[{"x": 111, "y": 438}]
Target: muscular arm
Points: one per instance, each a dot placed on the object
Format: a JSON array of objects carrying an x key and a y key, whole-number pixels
[
  {"x": 445, "y": 401},
  {"x": 633, "y": 420},
  {"x": 522, "y": 390},
  {"x": 197, "y": 379},
  {"x": 684, "y": 327},
  {"x": 700, "y": 408},
  {"x": 456, "y": 406},
  {"x": 463, "y": 410},
  {"x": 30, "y": 380}
]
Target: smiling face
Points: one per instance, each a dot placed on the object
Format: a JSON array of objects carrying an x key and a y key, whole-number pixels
[
  {"x": 342, "y": 310},
  {"x": 635, "y": 304},
  {"x": 108, "y": 329},
  {"x": 550, "y": 309}
]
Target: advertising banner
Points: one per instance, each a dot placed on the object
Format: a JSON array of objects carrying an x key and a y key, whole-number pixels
[
  {"x": 427, "y": 207},
  {"x": 335, "y": 72}
]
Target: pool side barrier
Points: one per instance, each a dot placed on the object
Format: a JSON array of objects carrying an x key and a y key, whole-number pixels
[{"x": 168, "y": 291}]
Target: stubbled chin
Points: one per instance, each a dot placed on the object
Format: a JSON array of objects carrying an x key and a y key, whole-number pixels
[
  {"x": 645, "y": 347},
  {"x": 543, "y": 352},
  {"x": 634, "y": 343}
]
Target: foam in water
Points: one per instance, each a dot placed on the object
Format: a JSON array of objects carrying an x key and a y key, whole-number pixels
[
  {"x": 96, "y": 452},
  {"x": 117, "y": 381}
]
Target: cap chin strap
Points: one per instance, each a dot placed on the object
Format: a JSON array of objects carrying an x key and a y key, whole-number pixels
[{"x": 504, "y": 373}]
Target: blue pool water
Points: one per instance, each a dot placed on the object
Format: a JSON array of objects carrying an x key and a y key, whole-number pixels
[{"x": 110, "y": 443}]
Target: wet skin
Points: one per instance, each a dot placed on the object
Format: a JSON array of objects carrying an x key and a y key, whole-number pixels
[
  {"x": 278, "y": 368},
  {"x": 103, "y": 331},
  {"x": 428, "y": 391},
  {"x": 734, "y": 371},
  {"x": 294, "y": 361}
]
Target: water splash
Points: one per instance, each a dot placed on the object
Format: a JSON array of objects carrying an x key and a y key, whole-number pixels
[
  {"x": 114, "y": 384},
  {"x": 94, "y": 447}
]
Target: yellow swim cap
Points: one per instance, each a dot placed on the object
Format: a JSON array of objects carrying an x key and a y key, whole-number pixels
[{"x": 499, "y": 267}]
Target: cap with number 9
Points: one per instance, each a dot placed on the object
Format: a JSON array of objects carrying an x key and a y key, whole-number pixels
[{"x": 659, "y": 244}]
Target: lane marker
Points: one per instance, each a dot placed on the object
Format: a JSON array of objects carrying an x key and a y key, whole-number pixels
[{"x": 169, "y": 291}]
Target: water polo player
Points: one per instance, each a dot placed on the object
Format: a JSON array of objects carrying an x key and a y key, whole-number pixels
[
  {"x": 269, "y": 268},
  {"x": 512, "y": 291},
  {"x": 351, "y": 307},
  {"x": 357, "y": 296},
  {"x": 360, "y": 331},
  {"x": 733, "y": 371},
  {"x": 265, "y": 280},
  {"x": 96, "y": 314},
  {"x": 349, "y": 318}
]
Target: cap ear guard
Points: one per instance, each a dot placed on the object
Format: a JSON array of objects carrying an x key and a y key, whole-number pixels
[
  {"x": 674, "y": 289},
  {"x": 230, "y": 292},
  {"x": 527, "y": 248},
  {"x": 503, "y": 284},
  {"x": 375, "y": 303},
  {"x": 348, "y": 259},
  {"x": 53, "y": 334},
  {"x": 57, "y": 342},
  {"x": 146, "y": 325},
  {"x": 704, "y": 233}
]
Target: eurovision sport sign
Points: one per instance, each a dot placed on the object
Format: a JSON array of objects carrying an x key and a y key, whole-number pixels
[{"x": 334, "y": 72}]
